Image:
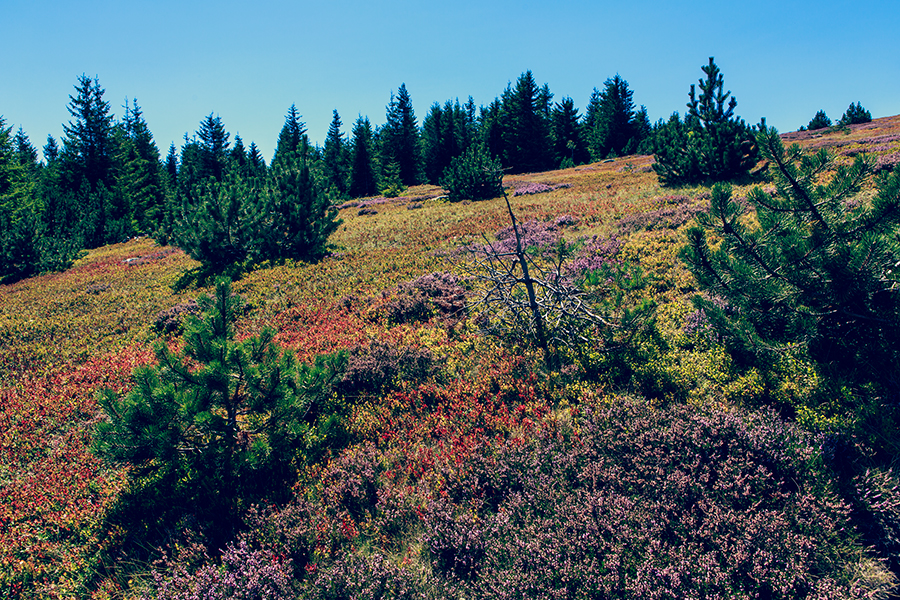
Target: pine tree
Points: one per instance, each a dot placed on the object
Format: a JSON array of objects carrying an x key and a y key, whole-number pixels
[
  {"x": 401, "y": 138},
  {"x": 336, "y": 169},
  {"x": 212, "y": 429},
  {"x": 216, "y": 224},
  {"x": 294, "y": 217},
  {"x": 815, "y": 270},
  {"x": 712, "y": 144},
  {"x": 363, "y": 181},
  {"x": 819, "y": 121},
  {"x": 473, "y": 175},
  {"x": 206, "y": 158},
  {"x": 854, "y": 115}
]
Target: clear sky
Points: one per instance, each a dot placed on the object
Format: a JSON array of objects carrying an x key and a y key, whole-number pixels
[{"x": 248, "y": 61}]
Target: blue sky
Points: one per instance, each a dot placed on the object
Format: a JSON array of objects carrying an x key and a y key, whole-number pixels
[{"x": 249, "y": 61}]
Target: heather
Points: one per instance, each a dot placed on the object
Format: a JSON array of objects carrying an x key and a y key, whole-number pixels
[
  {"x": 447, "y": 457},
  {"x": 621, "y": 497}
]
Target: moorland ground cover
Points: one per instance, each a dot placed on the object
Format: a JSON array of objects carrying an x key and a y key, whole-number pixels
[{"x": 464, "y": 466}]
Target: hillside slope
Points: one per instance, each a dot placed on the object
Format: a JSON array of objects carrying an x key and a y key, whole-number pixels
[{"x": 652, "y": 472}]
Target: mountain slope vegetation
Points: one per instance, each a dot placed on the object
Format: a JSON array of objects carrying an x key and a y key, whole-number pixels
[{"x": 448, "y": 456}]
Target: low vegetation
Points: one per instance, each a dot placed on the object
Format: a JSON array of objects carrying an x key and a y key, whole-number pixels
[{"x": 584, "y": 383}]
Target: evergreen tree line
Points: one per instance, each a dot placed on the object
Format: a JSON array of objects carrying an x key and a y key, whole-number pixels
[
  {"x": 217, "y": 199},
  {"x": 105, "y": 179},
  {"x": 523, "y": 129}
]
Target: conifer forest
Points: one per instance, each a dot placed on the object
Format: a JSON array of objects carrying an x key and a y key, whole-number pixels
[{"x": 499, "y": 351}]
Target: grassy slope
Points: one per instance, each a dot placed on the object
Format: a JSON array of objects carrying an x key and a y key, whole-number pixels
[{"x": 63, "y": 336}]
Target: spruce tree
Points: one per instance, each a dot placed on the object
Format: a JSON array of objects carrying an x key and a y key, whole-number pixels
[
  {"x": 591, "y": 117},
  {"x": 643, "y": 132},
  {"x": 21, "y": 242},
  {"x": 140, "y": 177},
  {"x": 545, "y": 103},
  {"x": 363, "y": 181},
  {"x": 16, "y": 184},
  {"x": 89, "y": 143},
  {"x": 490, "y": 126},
  {"x": 460, "y": 130},
  {"x": 446, "y": 133},
  {"x": 568, "y": 142},
  {"x": 526, "y": 131},
  {"x": 292, "y": 137},
  {"x": 614, "y": 130},
  {"x": 471, "y": 122},
  {"x": 61, "y": 214},
  {"x": 26, "y": 153},
  {"x": 50, "y": 150},
  {"x": 238, "y": 156},
  {"x": 27, "y": 248},
  {"x": 854, "y": 115},
  {"x": 212, "y": 148},
  {"x": 256, "y": 160},
  {"x": 400, "y": 138},
  {"x": 336, "y": 168},
  {"x": 86, "y": 179},
  {"x": 434, "y": 159},
  {"x": 18, "y": 256},
  {"x": 172, "y": 163}
]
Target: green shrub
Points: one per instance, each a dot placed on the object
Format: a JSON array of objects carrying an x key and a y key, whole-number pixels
[
  {"x": 215, "y": 227},
  {"x": 820, "y": 121},
  {"x": 474, "y": 175},
  {"x": 249, "y": 219},
  {"x": 854, "y": 115}
]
